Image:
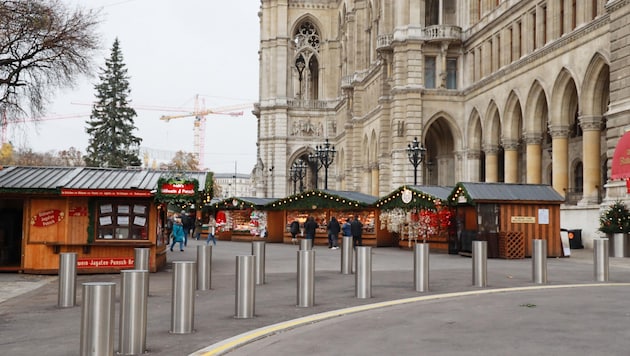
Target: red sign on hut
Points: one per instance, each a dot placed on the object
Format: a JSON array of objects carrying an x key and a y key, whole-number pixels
[
  {"x": 47, "y": 218},
  {"x": 178, "y": 188}
]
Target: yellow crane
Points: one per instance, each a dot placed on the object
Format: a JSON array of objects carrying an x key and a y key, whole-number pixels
[{"x": 199, "y": 128}]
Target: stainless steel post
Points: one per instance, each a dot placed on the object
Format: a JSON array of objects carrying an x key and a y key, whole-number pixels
[
  {"x": 204, "y": 267},
  {"x": 258, "y": 250},
  {"x": 141, "y": 260},
  {"x": 183, "y": 297},
  {"x": 363, "y": 277},
  {"x": 421, "y": 267},
  {"x": 346, "y": 255},
  {"x": 67, "y": 293},
  {"x": 600, "y": 259},
  {"x": 97, "y": 318},
  {"x": 245, "y": 287},
  {"x": 305, "y": 278},
  {"x": 480, "y": 263},
  {"x": 134, "y": 292},
  {"x": 539, "y": 261},
  {"x": 306, "y": 244}
]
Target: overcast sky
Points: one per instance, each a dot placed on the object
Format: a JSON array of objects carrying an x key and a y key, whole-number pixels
[{"x": 173, "y": 51}]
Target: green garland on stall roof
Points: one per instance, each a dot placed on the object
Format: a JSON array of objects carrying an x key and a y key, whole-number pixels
[
  {"x": 176, "y": 198},
  {"x": 314, "y": 200},
  {"x": 416, "y": 202},
  {"x": 30, "y": 191},
  {"x": 453, "y": 198},
  {"x": 209, "y": 188},
  {"x": 91, "y": 220}
]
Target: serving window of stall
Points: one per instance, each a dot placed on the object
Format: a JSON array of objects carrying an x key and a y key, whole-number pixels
[
  {"x": 122, "y": 220},
  {"x": 302, "y": 215},
  {"x": 366, "y": 217}
]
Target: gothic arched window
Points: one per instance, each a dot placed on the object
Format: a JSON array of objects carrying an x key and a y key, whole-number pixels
[{"x": 306, "y": 40}]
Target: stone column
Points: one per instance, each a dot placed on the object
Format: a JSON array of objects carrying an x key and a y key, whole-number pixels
[
  {"x": 474, "y": 161},
  {"x": 591, "y": 143},
  {"x": 511, "y": 160},
  {"x": 492, "y": 163},
  {"x": 375, "y": 174},
  {"x": 560, "y": 158},
  {"x": 533, "y": 158}
]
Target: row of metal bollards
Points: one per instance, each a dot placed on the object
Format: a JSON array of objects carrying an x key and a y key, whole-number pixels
[{"x": 98, "y": 297}]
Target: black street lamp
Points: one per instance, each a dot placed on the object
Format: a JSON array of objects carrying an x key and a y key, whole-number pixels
[
  {"x": 416, "y": 154},
  {"x": 314, "y": 158},
  {"x": 298, "y": 172},
  {"x": 326, "y": 155}
]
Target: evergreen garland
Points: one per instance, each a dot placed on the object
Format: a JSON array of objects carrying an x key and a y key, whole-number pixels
[
  {"x": 315, "y": 200},
  {"x": 176, "y": 199}
]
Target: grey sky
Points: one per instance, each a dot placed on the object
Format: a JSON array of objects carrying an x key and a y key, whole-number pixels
[{"x": 173, "y": 50}]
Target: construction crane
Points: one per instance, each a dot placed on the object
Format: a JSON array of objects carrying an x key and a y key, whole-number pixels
[{"x": 199, "y": 128}]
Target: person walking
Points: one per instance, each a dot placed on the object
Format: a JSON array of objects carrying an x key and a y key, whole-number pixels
[
  {"x": 212, "y": 226},
  {"x": 294, "y": 229},
  {"x": 178, "y": 234},
  {"x": 310, "y": 227},
  {"x": 346, "y": 229},
  {"x": 188, "y": 223},
  {"x": 198, "y": 227},
  {"x": 333, "y": 233},
  {"x": 357, "y": 231}
]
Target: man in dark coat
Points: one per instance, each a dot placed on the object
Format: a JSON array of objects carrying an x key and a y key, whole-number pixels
[
  {"x": 333, "y": 233},
  {"x": 310, "y": 226},
  {"x": 357, "y": 231},
  {"x": 294, "y": 229}
]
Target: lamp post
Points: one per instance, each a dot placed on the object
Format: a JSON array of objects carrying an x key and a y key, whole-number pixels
[
  {"x": 298, "y": 172},
  {"x": 326, "y": 155},
  {"x": 416, "y": 154},
  {"x": 314, "y": 158}
]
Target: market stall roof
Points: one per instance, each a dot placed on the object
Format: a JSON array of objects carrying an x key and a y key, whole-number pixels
[
  {"x": 414, "y": 196},
  {"x": 54, "y": 179},
  {"x": 233, "y": 203},
  {"x": 471, "y": 193},
  {"x": 316, "y": 199}
]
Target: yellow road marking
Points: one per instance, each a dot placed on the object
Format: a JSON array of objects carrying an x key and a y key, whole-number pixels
[{"x": 245, "y": 338}]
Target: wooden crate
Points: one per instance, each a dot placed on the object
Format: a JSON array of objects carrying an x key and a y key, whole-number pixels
[{"x": 511, "y": 245}]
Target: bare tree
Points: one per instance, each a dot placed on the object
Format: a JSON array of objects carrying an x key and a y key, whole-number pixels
[
  {"x": 43, "y": 46},
  {"x": 184, "y": 161}
]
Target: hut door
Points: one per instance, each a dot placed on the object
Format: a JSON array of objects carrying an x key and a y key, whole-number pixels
[{"x": 11, "y": 233}]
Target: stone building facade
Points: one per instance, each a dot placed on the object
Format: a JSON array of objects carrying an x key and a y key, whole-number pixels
[{"x": 518, "y": 91}]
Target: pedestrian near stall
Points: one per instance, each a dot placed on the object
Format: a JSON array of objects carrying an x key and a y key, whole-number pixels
[
  {"x": 212, "y": 226},
  {"x": 198, "y": 227},
  {"x": 357, "y": 231},
  {"x": 178, "y": 234},
  {"x": 333, "y": 233},
  {"x": 294, "y": 229},
  {"x": 346, "y": 229},
  {"x": 310, "y": 227}
]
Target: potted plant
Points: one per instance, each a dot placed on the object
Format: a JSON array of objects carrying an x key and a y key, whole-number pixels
[{"x": 615, "y": 223}]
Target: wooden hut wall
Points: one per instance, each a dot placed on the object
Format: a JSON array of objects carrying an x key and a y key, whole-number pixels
[
  {"x": 43, "y": 244},
  {"x": 275, "y": 227},
  {"x": 531, "y": 231}
]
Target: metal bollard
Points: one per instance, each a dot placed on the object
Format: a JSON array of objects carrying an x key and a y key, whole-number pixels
[
  {"x": 480, "y": 263},
  {"x": 258, "y": 250},
  {"x": 97, "y": 318},
  {"x": 204, "y": 267},
  {"x": 67, "y": 293},
  {"x": 600, "y": 259},
  {"x": 363, "y": 277},
  {"x": 134, "y": 293},
  {"x": 421, "y": 267},
  {"x": 141, "y": 260},
  {"x": 183, "y": 297},
  {"x": 539, "y": 261},
  {"x": 245, "y": 287},
  {"x": 305, "y": 278},
  {"x": 619, "y": 246},
  {"x": 346, "y": 255},
  {"x": 306, "y": 244}
]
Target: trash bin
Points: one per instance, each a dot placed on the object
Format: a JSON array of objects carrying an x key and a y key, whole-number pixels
[{"x": 575, "y": 239}]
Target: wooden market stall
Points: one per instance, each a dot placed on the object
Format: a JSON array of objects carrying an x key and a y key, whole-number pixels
[
  {"x": 508, "y": 216},
  {"x": 246, "y": 219},
  {"x": 400, "y": 212},
  {"x": 323, "y": 205},
  {"x": 100, "y": 214}
]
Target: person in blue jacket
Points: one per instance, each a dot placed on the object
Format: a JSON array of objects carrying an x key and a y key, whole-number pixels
[
  {"x": 346, "y": 228},
  {"x": 178, "y": 234}
]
